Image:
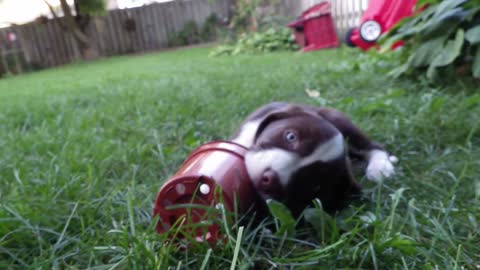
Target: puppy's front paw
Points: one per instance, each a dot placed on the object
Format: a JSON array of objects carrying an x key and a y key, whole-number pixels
[{"x": 380, "y": 165}]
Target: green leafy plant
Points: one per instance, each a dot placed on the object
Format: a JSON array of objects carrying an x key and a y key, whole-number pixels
[
  {"x": 284, "y": 220},
  {"x": 442, "y": 38},
  {"x": 249, "y": 16},
  {"x": 208, "y": 31},
  {"x": 94, "y": 7},
  {"x": 192, "y": 33},
  {"x": 272, "y": 39},
  {"x": 243, "y": 17}
]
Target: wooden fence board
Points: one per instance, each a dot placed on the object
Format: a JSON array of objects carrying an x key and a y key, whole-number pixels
[
  {"x": 60, "y": 47},
  {"x": 159, "y": 22},
  {"x": 168, "y": 20},
  {"x": 145, "y": 29},
  {"x": 177, "y": 19},
  {"x": 123, "y": 44},
  {"x": 157, "y": 16},
  {"x": 112, "y": 40},
  {"x": 137, "y": 35},
  {"x": 151, "y": 30}
]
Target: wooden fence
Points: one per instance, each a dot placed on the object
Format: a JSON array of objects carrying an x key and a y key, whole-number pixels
[{"x": 48, "y": 44}]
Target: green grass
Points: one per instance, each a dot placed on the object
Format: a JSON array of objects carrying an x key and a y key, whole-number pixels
[{"x": 84, "y": 149}]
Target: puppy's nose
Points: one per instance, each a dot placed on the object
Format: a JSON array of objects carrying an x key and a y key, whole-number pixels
[{"x": 268, "y": 179}]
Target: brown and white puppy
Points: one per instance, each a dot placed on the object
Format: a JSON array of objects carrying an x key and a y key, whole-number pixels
[{"x": 298, "y": 153}]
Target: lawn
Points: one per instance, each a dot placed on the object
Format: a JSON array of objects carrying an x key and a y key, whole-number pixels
[{"x": 85, "y": 148}]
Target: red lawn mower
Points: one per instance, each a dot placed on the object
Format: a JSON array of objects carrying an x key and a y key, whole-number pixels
[{"x": 380, "y": 16}]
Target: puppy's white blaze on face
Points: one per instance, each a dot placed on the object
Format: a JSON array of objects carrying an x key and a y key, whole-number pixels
[
  {"x": 279, "y": 160},
  {"x": 247, "y": 134},
  {"x": 285, "y": 163}
]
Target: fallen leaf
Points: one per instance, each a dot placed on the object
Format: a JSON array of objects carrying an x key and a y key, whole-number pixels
[{"x": 312, "y": 93}]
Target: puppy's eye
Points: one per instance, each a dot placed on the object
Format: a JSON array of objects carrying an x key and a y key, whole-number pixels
[{"x": 290, "y": 136}]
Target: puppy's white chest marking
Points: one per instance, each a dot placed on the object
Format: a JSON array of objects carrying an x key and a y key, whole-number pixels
[
  {"x": 247, "y": 134},
  {"x": 285, "y": 163}
]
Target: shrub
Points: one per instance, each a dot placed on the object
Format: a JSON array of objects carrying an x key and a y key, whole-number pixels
[
  {"x": 442, "y": 39},
  {"x": 270, "y": 40},
  {"x": 208, "y": 32},
  {"x": 191, "y": 33}
]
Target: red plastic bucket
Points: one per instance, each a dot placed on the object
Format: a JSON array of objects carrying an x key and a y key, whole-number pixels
[{"x": 213, "y": 166}]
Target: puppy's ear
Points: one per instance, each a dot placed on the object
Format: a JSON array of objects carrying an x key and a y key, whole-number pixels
[{"x": 287, "y": 112}]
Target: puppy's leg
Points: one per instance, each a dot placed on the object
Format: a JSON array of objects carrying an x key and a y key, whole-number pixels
[{"x": 380, "y": 163}]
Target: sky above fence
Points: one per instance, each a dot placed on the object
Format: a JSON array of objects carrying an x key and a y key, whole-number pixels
[{"x": 23, "y": 11}]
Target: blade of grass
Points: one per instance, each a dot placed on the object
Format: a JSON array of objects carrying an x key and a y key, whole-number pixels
[
  {"x": 237, "y": 248},
  {"x": 205, "y": 260},
  {"x": 131, "y": 217},
  {"x": 62, "y": 234}
]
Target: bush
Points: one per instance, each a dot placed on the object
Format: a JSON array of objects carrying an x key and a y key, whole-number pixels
[
  {"x": 191, "y": 33},
  {"x": 13, "y": 62},
  {"x": 270, "y": 40},
  {"x": 442, "y": 39},
  {"x": 208, "y": 32}
]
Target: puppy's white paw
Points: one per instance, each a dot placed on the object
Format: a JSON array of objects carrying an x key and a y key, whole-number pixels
[
  {"x": 380, "y": 165},
  {"x": 393, "y": 159}
]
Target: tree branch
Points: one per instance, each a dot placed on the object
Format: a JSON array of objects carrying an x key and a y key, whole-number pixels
[
  {"x": 52, "y": 10},
  {"x": 72, "y": 25}
]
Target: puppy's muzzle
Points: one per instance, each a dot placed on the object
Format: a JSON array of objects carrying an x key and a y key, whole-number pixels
[{"x": 269, "y": 185}]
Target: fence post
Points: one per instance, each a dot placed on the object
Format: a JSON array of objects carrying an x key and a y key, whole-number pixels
[{"x": 4, "y": 62}]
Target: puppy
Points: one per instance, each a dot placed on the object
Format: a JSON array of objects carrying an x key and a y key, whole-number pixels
[{"x": 298, "y": 153}]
